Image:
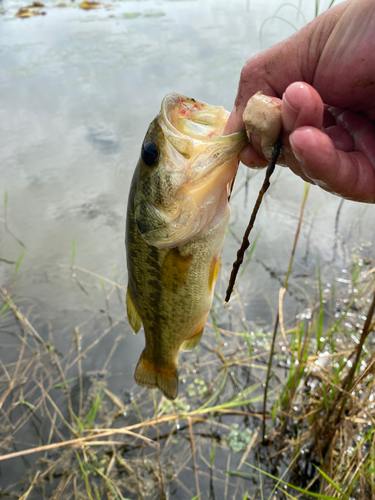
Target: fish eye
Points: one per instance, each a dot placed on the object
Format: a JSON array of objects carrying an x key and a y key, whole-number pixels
[{"x": 149, "y": 153}]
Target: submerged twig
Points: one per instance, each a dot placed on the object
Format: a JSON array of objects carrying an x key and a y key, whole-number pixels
[
  {"x": 193, "y": 455},
  {"x": 160, "y": 474},
  {"x": 337, "y": 219},
  {"x": 79, "y": 348},
  {"x": 245, "y": 241},
  {"x": 5, "y": 220},
  {"x": 27, "y": 493},
  {"x": 7, "y": 299}
]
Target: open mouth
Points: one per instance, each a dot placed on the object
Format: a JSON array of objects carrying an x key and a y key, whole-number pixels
[
  {"x": 195, "y": 130},
  {"x": 195, "y": 119}
]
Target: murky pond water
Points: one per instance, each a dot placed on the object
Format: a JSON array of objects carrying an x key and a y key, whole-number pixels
[{"x": 77, "y": 92}]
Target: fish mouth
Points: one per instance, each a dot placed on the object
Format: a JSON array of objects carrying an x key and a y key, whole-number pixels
[
  {"x": 186, "y": 121},
  {"x": 189, "y": 119},
  {"x": 195, "y": 130}
]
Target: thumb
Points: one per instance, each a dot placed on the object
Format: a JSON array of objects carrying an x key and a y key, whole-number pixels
[{"x": 302, "y": 106}]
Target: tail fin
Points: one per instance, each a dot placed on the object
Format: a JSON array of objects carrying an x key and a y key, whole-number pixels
[{"x": 148, "y": 375}]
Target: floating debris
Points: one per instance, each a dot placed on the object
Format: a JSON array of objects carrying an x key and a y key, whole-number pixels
[
  {"x": 134, "y": 15},
  {"x": 131, "y": 15},
  {"x": 31, "y": 10},
  {"x": 91, "y": 5},
  {"x": 154, "y": 14}
]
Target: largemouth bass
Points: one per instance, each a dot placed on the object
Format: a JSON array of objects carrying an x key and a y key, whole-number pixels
[{"x": 177, "y": 218}]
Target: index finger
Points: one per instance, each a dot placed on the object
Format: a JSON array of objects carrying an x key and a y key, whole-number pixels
[{"x": 347, "y": 174}]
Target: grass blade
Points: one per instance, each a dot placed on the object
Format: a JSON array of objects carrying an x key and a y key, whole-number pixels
[
  {"x": 320, "y": 496},
  {"x": 18, "y": 263},
  {"x": 332, "y": 483}
]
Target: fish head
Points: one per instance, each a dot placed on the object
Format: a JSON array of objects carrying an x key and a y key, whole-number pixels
[{"x": 185, "y": 171}]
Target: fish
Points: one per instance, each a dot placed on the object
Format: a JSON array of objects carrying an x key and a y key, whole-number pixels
[{"x": 177, "y": 217}]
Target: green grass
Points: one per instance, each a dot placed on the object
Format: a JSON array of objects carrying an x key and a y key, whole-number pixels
[
  {"x": 18, "y": 263},
  {"x": 86, "y": 422}
]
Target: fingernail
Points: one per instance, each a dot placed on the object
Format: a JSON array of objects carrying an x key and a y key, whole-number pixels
[
  {"x": 297, "y": 152},
  {"x": 289, "y": 115}
]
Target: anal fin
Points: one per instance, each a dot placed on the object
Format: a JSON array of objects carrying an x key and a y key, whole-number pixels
[
  {"x": 192, "y": 342},
  {"x": 148, "y": 375},
  {"x": 134, "y": 318}
]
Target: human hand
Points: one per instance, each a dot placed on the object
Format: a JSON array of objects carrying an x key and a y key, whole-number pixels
[{"x": 332, "y": 144}]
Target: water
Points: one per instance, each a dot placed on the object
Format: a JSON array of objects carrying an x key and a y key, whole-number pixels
[{"x": 77, "y": 92}]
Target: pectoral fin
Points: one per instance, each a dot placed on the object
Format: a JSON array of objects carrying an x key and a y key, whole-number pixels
[
  {"x": 134, "y": 318},
  {"x": 174, "y": 270},
  {"x": 149, "y": 375},
  {"x": 214, "y": 270},
  {"x": 191, "y": 343}
]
